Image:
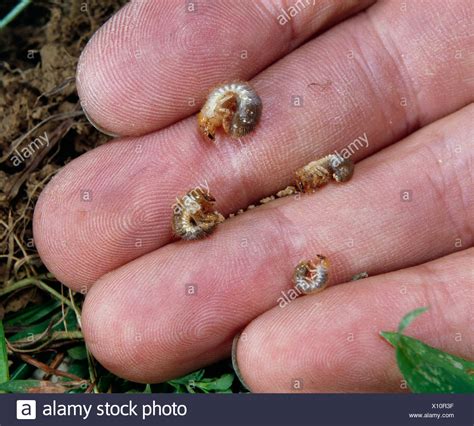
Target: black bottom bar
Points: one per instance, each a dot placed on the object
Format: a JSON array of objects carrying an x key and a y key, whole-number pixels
[{"x": 236, "y": 409}]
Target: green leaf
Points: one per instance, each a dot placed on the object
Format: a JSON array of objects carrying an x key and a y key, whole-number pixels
[
  {"x": 20, "y": 386},
  {"x": 79, "y": 369},
  {"x": 104, "y": 382},
  {"x": 196, "y": 380},
  {"x": 220, "y": 384},
  {"x": 4, "y": 375},
  {"x": 78, "y": 353},
  {"x": 429, "y": 370},
  {"x": 408, "y": 318},
  {"x": 185, "y": 380},
  {"x": 390, "y": 337},
  {"x": 38, "y": 329},
  {"x": 41, "y": 386},
  {"x": 32, "y": 314},
  {"x": 23, "y": 371}
]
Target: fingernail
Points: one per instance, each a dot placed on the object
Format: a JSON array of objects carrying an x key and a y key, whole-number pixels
[
  {"x": 95, "y": 125},
  {"x": 235, "y": 364}
]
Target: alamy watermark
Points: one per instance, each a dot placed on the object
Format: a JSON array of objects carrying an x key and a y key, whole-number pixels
[
  {"x": 28, "y": 151},
  {"x": 189, "y": 202},
  {"x": 287, "y": 297},
  {"x": 358, "y": 143},
  {"x": 288, "y": 14}
]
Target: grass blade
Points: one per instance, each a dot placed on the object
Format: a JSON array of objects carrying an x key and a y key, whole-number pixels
[
  {"x": 40, "y": 386},
  {"x": 32, "y": 314},
  {"x": 4, "y": 375},
  {"x": 20, "y": 6}
]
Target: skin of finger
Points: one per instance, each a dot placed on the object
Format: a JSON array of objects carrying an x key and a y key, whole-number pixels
[
  {"x": 184, "y": 300},
  {"x": 330, "y": 342},
  {"x": 134, "y": 181},
  {"x": 153, "y": 62}
]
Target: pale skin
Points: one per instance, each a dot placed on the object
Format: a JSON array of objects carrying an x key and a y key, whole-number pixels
[{"x": 402, "y": 75}]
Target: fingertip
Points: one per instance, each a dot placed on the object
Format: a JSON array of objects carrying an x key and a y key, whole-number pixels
[
  {"x": 116, "y": 338},
  {"x": 100, "y": 97},
  {"x": 313, "y": 355},
  {"x": 49, "y": 236},
  {"x": 96, "y": 125}
]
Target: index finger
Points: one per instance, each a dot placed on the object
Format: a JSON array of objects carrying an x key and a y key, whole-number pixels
[{"x": 153, "y": 62}]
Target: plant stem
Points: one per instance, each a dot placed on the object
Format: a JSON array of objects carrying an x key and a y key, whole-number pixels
[
  {"x": 14, "y": 13},
  {"x": 37, "y": 282}
]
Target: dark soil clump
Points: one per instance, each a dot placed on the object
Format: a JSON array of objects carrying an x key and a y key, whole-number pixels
[{"x": 39, "y": 51}]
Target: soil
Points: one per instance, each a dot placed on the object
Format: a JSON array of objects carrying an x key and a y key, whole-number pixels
[{"x": 39, "y": 51}]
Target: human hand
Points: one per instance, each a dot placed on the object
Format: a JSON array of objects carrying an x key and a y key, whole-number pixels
[{"x": 103, "y": 224}]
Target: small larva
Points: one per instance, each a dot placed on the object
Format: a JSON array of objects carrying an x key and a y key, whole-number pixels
[
  {"x": 319, "y": 172},
  {"x": 194, "y": 217},
  {"x": 310, "y": 276},
  {"x": 234, "y": 106}
]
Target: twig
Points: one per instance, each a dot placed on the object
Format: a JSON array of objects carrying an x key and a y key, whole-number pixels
[
  {"x": 47, "y": 369},
  {"x": 55, "y": 363}
]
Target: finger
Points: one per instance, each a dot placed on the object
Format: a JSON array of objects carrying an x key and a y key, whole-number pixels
[
  {"x": 154, "y": 62},
  {"x": 330, "y": 342},
  {"x": 184, "y": 302},
  {"x": 133, "y": 182}
]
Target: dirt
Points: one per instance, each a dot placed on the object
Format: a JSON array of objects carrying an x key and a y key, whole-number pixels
[{"x": 39, "y": 51}]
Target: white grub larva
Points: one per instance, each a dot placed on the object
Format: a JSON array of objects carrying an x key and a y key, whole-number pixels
[
  {"x": 234, "y": 106},
  {"x": 319, "y": 172},
  {"x": 311, "y": 276},
  {"x": 194, "y": 216}
]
